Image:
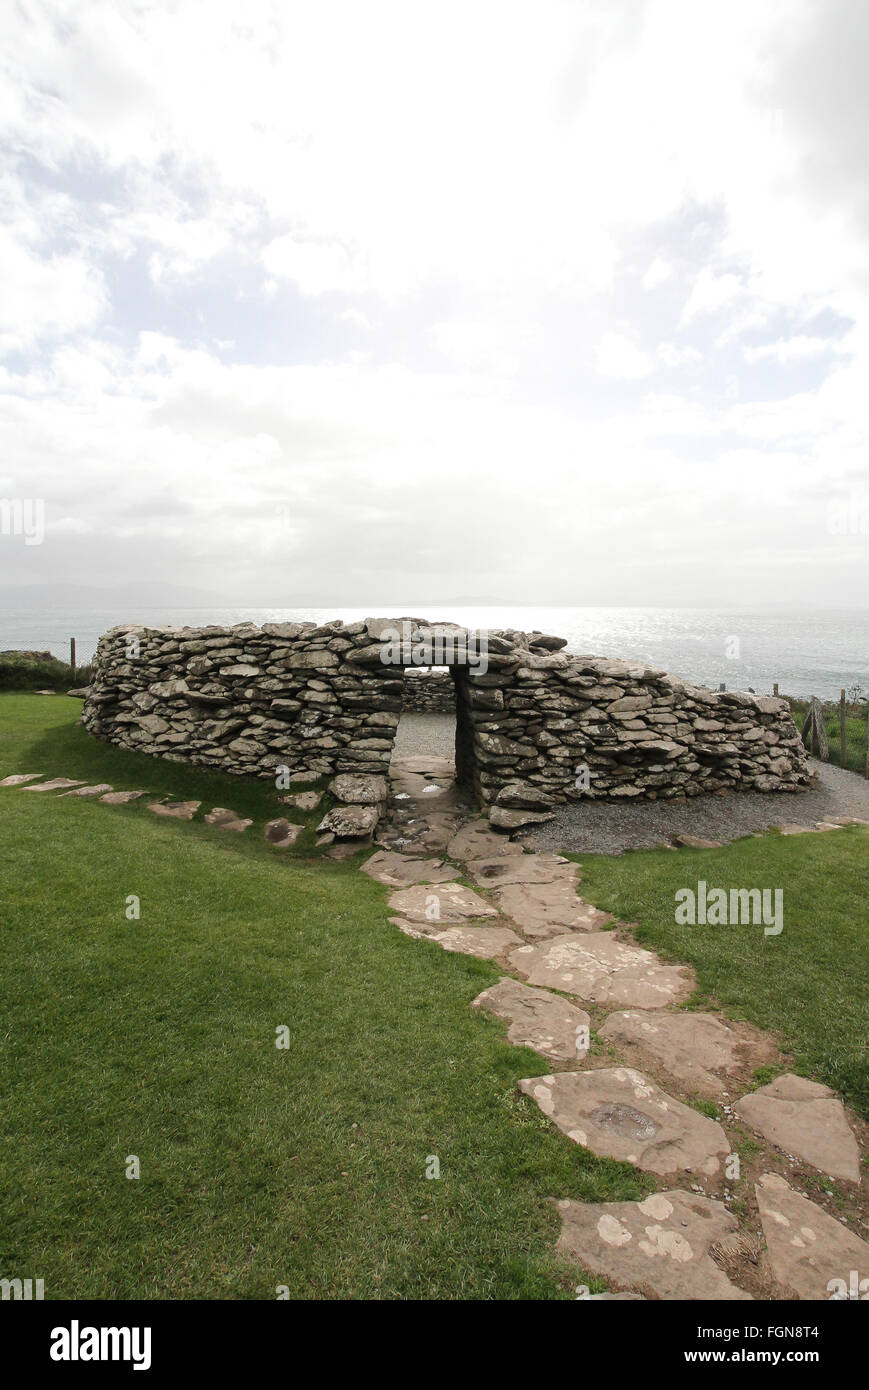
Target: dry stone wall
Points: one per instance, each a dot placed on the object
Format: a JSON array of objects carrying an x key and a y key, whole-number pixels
[
  {"x": 429, "y": 692},
  {"x": 534, "y": 724}
]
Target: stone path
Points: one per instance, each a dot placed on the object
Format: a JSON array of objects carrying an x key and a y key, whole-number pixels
[
  {"x": 525, "y": 914},
  {"x": 579, "y": 971}
]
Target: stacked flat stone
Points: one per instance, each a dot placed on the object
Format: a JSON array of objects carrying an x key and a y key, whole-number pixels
[
  {"x": 428, "y": 692},
  {"x": 320, "y": 700}
]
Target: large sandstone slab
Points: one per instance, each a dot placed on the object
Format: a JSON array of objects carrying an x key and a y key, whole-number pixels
[
  {"x": 489, "y": 943},
  {"x": 505, "y": 819},
  {"x": 350, "y": 822},
  {"x": 399, "y": 871},
  {"x": 281, "y": 833},
  {"x": 121, "y": 798},
  {"x": 618, "y": 1113},
  {"x": 549, "y": 1024},
  {"x": 18, "y": 778},
  {"x": 303, "y": 801},
  {"x": 224, "y": 819},
  {"x": 549, "y": 909},
  {"x": 476, "y": 840},
  {"x": 807, "y": 1248},
  {"x": 444, "y": 902},
  {"x": 498, "y": 871},
  {"x": 175, "y": 810},
  {"x": 603, "y": 970},
  {"x": 661, "y": 1245},
  {"x": 96, "y": 790},
  {"x": 805, "y": 1119},
  {"x": 55, "y": 784},
  {"x": 359, "y": 789},
  {"x": 699, "y": 1050}
]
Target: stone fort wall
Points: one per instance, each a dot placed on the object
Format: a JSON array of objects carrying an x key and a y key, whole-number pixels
[{"x": 535, "y": 724}]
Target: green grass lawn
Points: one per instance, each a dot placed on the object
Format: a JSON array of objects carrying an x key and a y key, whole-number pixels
[
  {"x": 811, "y": 983},
  {"x": 156, "y": 1038}
]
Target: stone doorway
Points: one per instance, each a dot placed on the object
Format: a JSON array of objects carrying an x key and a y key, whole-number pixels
[{"x": 433, "y": 720}]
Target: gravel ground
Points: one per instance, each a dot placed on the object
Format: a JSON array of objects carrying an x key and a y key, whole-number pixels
[
  {"x": 606, "y": 828},
  {"x": 425, "y": 733}
]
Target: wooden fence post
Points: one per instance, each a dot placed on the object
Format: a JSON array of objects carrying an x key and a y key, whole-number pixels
[
  {"x": 842, "y": 734},
  {"x": 775, "y": 688},
  {"x": 72, "y": 657}
]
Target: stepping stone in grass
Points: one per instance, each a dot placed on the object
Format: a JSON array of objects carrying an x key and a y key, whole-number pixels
[
  {"x": 489, "y": 943},
  {"x": 282, "y": 833},
  {"x": 227, "y": 820},
  {"x": 662, "y": 1244},
  {"x": 454, "y": 903},
  {"x": 476, "y": 840},
  {"x": 175, "y": 810},
  {"x": 18, "y": 778},
  {"x": 549, "y": 909},
  {"x": 551, "y": 1025},
  {"x": 56, "y": 784},
  {"x": 596, "y": 966},
  {"x": 397, "y": 871},
  {"x": 618, "y": 1113},
  {"x": 694, "y": 1048},
  {"x": 806, "y": 1247},
  {"x": 805, "y": 1119},
  {"x": 692, "y": 842},
  {"x": 96, "y": 790},
  {"x": 797, "y": 829},
  {"x": 121, "y": 798},
  {"x": 303, "y": 801}
]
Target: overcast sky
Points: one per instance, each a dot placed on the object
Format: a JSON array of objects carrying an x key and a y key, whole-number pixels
[{"x": 562, "y": 302}]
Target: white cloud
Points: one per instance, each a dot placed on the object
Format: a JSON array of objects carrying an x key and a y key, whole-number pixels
[
  {"x": 618, "y": 356},
  {"x": 801, "y": 348},
  {"x": 658, "y": 272},
  {"x": 44, "y": 296}
]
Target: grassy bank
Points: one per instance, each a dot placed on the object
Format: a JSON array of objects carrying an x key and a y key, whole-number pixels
[
  {"x": 155, "y": 1037},
  {"x": 39, "y": 671}
]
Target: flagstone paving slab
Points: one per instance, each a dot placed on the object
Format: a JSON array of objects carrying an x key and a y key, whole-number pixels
[
  {"x": 175, "y": 810},
  {"x": 662, "y": 1244},
  {"x": 699, "y": 1050},
  {"x": 618, "y": 1113},
  {"x": 225, "y": 819},
  {"x": 96, "y": 790},
  {"x": 476, "y": 840},
  {"x": 281, "y": 833},
  {"x": 55, "y": 784},
  {"x": 805, "y": 1119},
  {"x": 597, "y": 967},
  {"x": 549, "y": 1024},
  {"x": 121, "y": 798},
  {"x": 549, "y": 909},
  {"x": 489, "y": 943},
  {"x": 498, "y": 871},
  {"x": 452, "y": 902},
  {"x": 18, "y": 778},
  {"x": 398, "y": 871},
  {"x": 808, "y": 1248}
]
